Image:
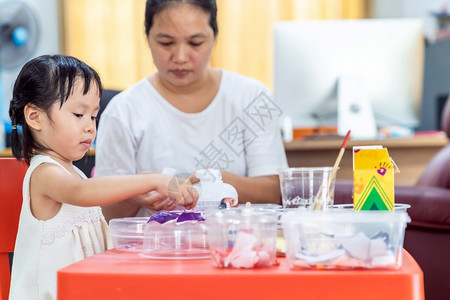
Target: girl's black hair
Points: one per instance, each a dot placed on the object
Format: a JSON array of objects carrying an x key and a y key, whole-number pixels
[
  {"x": 43, "y": 81},
  {"x": 154, "y": 7}
]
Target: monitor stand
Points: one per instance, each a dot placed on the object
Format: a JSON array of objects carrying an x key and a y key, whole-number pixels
[{"x": 354, "y": 109}]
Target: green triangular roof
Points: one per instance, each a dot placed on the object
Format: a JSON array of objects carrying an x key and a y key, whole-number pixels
[{"x": 374, "y": 197}]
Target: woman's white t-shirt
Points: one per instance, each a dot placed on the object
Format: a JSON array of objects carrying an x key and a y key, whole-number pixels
[{"x": 238, "y": 132}]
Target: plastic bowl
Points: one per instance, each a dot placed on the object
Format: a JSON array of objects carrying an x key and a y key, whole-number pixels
[
  {"x": 344, "y": 239},
  {"x": 127, "y": 233},
  {"x": 242, "y": 237},
  {"x": 175, "y": 240}
]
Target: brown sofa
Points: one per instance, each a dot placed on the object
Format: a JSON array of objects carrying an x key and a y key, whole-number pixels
[{"x": 427, "y": 237}]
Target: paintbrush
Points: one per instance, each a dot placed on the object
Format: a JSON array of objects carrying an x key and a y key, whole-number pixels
[{"x": 318, "y": 205}]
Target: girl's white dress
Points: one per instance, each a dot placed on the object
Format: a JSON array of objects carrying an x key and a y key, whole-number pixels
[{"x": 44, "y": 247}]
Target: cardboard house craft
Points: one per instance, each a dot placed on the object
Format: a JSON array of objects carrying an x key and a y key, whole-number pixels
[{"x": 373, "y": 178}]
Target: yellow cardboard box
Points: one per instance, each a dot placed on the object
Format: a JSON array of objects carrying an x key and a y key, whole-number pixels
[{"x": 373, "y": 178}]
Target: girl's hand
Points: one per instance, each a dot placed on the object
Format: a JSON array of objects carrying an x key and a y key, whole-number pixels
[
  {"x": 171, "y": 191},
  {"x": 183, "y": 192}
]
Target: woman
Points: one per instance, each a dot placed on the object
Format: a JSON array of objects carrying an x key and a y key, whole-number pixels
[{"x": 189, "y": 116}]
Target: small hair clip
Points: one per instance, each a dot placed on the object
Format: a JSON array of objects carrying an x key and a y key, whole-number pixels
[{"x": 14, "y": 127}]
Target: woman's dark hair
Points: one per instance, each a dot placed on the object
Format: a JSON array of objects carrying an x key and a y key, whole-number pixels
[
  {"x": 154, "y": 7},
  {"x": 42, "y": 82}
]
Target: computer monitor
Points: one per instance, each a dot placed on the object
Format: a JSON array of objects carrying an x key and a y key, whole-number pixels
[{"x": 384, "y": 55}]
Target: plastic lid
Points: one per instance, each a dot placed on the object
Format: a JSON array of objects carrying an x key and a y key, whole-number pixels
[
  {"x": 345, "y": 216},
  {"x": 247, "y": 215},
  {"x": 131, "y": 227}
]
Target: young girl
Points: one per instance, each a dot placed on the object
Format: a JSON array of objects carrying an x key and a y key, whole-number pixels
[{"x": 56, "y": 101}]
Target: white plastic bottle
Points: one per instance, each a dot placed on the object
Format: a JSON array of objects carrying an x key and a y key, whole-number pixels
[{"x": 212, "y": 189}]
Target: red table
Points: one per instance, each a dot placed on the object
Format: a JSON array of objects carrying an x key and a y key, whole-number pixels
[{"x": 125, "y": 275}]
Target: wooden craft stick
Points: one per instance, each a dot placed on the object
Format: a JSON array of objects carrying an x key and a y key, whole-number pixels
[{"x": 317, "y": 205}]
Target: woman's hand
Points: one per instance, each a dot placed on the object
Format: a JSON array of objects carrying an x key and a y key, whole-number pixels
[
  {"x": 171, "y": 192},
  {"x": 155, "y": 201}
]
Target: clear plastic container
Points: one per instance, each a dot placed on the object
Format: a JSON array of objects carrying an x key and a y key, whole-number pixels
[
  {"x": 173, "y": 240},
  {"x": 271, "y": 206},
  {"x": 344, "y": 239},
  {"x": 127, "y": 233},
  {"x": 397, "y": 206},
  {"x": 307, "y": 187},
  {"x": 242, "y": 237}
]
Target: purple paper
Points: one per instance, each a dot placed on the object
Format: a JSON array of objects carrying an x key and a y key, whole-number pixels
[
  {"x": 190, "y": 216},
  {"x": 163, "y": 216}
]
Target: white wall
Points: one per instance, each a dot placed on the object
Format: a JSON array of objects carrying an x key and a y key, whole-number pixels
[
  {"x": 412, "y": 9},
  {"x": 49, "y": 42},
  {"x": 437, "y": 66}
]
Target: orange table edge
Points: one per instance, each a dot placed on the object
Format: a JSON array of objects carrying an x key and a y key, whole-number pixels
[{"x": 125, "y": 275}]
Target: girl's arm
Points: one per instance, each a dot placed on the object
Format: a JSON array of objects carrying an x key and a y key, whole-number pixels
[
  {"x": 131, "y": 206},
  {"x": 51, "y": 185},
  {"x": 153, "y": 201}
]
